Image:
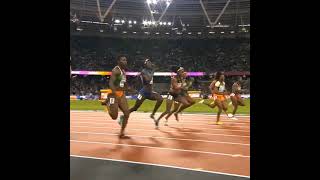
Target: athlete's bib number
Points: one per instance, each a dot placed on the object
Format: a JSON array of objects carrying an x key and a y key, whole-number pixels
[
  {"x": 111, "y": 101},
  {"x": 122, "y": 83},
  {"x": 139, "y": 97}
]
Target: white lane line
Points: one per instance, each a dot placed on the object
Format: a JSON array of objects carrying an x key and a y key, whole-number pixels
[
  {"x": 135, "y": 119},
  {"x": 193, "y": 128},
  {"x": 159, "y": 137},
  {"x": 160, "y": 165},
  {"x": 188, "y": 114},
  {"x": 242, "y": 118},
  {"x": 165, "y": 131},
  {"x": 151, "y": 122},
  {"x": 161, "y": 148},
  {"x": 146, "y": 125}
]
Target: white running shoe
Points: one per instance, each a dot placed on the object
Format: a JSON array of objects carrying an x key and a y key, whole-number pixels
[
  {"x": 234, "y": 118},
  {"x": 230, "y": 115}
]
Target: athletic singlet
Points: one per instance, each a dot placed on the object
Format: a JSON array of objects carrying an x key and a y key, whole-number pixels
[
  {"x": 179, "y": 82},
  {"x": 148, "y": 73},
  {"x": 120, "y": 80},
  {"x": 221, "y": 86},
  {"x": 236, "y": 88}
]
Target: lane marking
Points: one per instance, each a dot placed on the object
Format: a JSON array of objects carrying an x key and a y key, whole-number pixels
[
  {"x": 162, "y": 148},
  {"x": 158, "y": 137},
  {"x": 145, "y": 120},
  {"x": 186, "y": 127},
  {"x": 165, "y": 131},
  {"x": 158, "y": 113},
  {"x": 148, "y": 125}
]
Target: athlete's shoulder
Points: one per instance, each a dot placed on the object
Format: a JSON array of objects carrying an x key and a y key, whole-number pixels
[
  {"x": 173, "y": 78},
  {"x": 116, "y": 69}
]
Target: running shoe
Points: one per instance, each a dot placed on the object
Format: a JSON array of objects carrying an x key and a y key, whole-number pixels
[
  {"x": 156, "y": 123},
  {"x": 176, "y": 116},
  {"x": 234, "y": 118},
  {"x": 166, "y": 123},
  {"x": 120, "y": 120},
  {"x": 219, "y": 123},
  {"x": 123, "y": 136}
]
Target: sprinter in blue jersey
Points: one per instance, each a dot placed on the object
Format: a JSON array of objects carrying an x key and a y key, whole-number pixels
[{"x": 147, "y": 92}]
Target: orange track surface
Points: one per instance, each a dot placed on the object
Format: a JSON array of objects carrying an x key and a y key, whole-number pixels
[{"x": 190, "y": 143}]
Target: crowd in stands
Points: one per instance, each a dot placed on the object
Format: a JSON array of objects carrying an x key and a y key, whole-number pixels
[{"x": 99, "y": 54}]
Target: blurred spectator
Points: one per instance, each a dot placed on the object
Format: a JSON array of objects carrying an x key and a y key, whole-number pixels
[{"x": 97, "y": 54}]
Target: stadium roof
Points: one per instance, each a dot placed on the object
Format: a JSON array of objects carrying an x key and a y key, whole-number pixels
[{"x": 184, "y": 16}]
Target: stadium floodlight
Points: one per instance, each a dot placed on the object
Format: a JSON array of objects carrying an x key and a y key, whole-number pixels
[
  {"x": 160, "y": 23},
  {"x": 169, "y": 23},
  {"x": 211, "y": 32},
  {"x": 124, "y": 32},
  {"x": 189, "y": 33},
  {"x": 101, "y": 30},
  {"x": 157, "y": 33},
  {"x": 167, "y": 33},
  {"x": 179, "y": 33},
  {"x": 222, "y": 32},
  {"x": 148, "y": 1},
  {"x": 154, "y": 1},
  {"x": 122, "y": 21},
  {"x": 164, "y": 23},
  {"x": 144, "y": 22},
  {"x": 149, "y": 22},
  {"x": 130, "y": 22},
  {"x": 146, "y": 32},
  {"x": 134, "y": 22},
  {"x": 168, "y": 2},
  {"x": 153, "y": 23},
  {"x": 231, "y": 32},
  {"x": 199, "y": 32},
  {"x": 117, "y": 21},
  {"x": 248, "y": 25},
  {"x": 134, "y": 32}
]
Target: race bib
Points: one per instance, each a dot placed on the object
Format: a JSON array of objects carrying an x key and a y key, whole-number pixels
[
  {"x": 111, "y": 101},
  {"x": 139, "y": 97},
  {"x": 122, "y": 83},
  {"x": 221, "y": 88}
]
